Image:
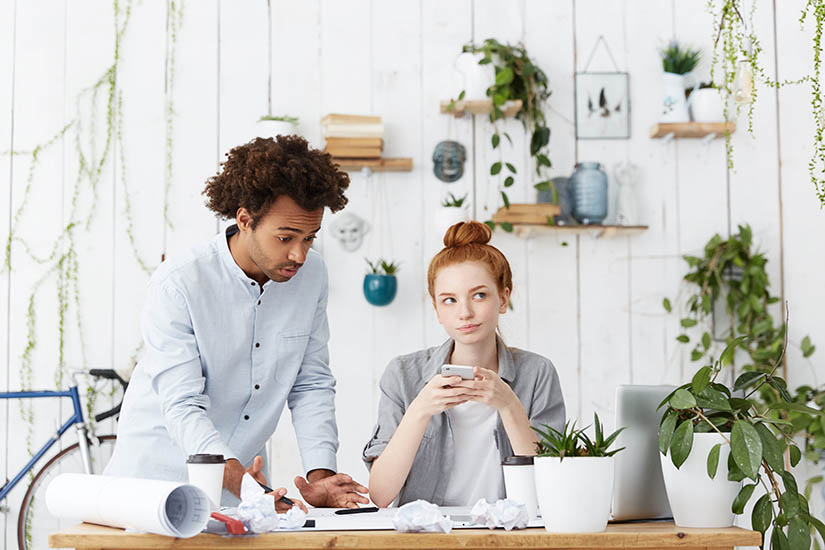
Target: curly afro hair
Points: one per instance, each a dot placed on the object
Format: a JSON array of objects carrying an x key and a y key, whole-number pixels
[{"x": 257, "y": 173}]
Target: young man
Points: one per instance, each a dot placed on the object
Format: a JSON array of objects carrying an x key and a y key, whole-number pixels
[{"x": 237, "y": 327}]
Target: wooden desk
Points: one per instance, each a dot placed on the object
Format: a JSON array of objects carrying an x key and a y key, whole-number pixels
[{"x": 628, "y": 535}]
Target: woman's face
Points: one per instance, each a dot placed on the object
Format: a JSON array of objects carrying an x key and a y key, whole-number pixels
[{"x": 468, "y": 303}]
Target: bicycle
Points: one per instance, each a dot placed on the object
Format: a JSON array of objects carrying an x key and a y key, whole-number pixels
[{"x": 90, "y": 453}]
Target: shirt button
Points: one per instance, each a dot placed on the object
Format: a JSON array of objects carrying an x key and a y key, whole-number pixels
[
  {"x": 259, "y": 302},
  {"x": 257, "y": 344},
  {"x": 257, "y": 386},
  {"x": 253, "y": 284},
  {"x": 246, "y": 417}
]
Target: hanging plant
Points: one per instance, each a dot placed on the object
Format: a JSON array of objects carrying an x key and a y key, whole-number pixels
[
  {"x": 517, "y": 77},
  {"x": 380, "y": 284}
]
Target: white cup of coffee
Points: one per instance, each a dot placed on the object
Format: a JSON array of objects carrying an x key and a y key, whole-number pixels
[
  {"x": 519, "y": 482},
  {"x": 206, "y": 473}
]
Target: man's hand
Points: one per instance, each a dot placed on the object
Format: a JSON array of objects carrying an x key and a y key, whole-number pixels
[{"x": 326, "y": 489}]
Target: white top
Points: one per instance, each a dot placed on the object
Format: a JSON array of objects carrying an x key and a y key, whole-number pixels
[{"x": 476, "y": 471}]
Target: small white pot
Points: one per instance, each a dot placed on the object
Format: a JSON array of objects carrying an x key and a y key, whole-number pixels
[
  {"x": 674, "y": 104},
  {"x": 706, "y": 105},
  {"x": 695, "y": 499},
  {"x": 273, "y": 128},
  {"x": 574, "y": 494},
  {"x": 446, "y": 217}
]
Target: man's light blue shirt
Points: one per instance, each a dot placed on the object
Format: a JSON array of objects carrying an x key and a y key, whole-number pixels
[{"x": 222, "y": 358}]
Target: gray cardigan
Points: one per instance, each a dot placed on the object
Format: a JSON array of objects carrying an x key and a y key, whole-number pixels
[{"x": 532, "y": 377}]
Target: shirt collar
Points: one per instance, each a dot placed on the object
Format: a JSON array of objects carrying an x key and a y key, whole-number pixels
[
  {"x": 506, "y": 367},
  {"x": 226, "y": 255}
]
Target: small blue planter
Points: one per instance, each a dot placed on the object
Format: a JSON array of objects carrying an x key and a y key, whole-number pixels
[{"x": 379, "y": 290}]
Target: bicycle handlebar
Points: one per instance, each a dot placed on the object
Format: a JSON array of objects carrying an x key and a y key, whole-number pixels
[{"x": 108, "y": 374}]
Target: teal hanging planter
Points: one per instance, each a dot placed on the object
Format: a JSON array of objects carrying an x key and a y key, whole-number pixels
[{"x": 379, "y": 290}]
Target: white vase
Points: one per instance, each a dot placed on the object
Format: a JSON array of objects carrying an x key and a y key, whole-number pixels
[
  {"x": 695, "y": 499},
  {"x": 445, "y": 217},
  {"x": 475, "y": 78},
  {"x": 273, "y": 128},
  {"x": 706, "y": 105},
  {"x": 574, "y": 494},
  {"x": 674, "y": 104}
]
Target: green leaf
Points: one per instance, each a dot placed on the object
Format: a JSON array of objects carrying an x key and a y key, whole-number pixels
[
  {"x": 746, "y": 447},
  {"x": 495, "y": 168},
  {"x": 507, "y": 227},
  {"x": 505, "y": 199},
  {"x": 683, "y": 338},
  {"x": 796, "y": 456},
  {"x": 682, "y": 399},
  {"x": 696, "y": 355},
  {"x": 742, "y": 498},
  {"x": 508, "y": 181},
  {"x": 762, "y": 514},
  {"x": 687, "y": 323},
  {"x": 681, "y": 443},
  {"x": 817, "y": 524},
  {"x": 666, "y": 305},
  {"x": 491, "y": 224},
  {"x": 504, "y": 76},
  {"x": 706, "y": 341},
  {"x": 746, "y": 379},
  {"x": 713, "y": 460},
  {"x": 779, "y": 541},
  {"x": 789, "y": 502},
  {"x": 711, "y": 398},
  {"x": 461, "y": 95},
  {"x": 730, "y": 350},
  {"x": 511, "y": 168},
  {"x": 495, "y": 140},
  {"x": 772, "y": 449},
  {"x": 666, "y": 430},
  {"x": 797, "y": 407},
  {"x": 807, "y": 348},
  {"x": 701, "y": 380}
]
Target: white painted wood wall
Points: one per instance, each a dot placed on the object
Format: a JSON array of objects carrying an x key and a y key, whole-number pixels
[{"x": 592, "y": 306}]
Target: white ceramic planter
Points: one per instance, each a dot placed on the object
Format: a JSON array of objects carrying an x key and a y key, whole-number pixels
[
  {"x": 475, "y": 78},
  {"x": 574, "y": 494},
  {"x": 448, "y": 216},
  {"x": 273, "y": 128},
  {"x": 674, "y": 104},
  {"x": 695, "y": 499},
  {"x": 706, "y": 105}
]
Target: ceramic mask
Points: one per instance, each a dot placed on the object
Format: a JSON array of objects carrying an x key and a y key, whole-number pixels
[
  {"x": 448, "y": 161},
  {"x": 349, "y": 230}
]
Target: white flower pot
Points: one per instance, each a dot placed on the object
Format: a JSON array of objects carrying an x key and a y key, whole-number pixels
[
  {"x": 449, "y": 216},
  {"x": 574, "y": 494},
  {"x": 674, "y": 104},
  {"x": 706, "y": 105},
  {"x": 273, "y": 128},
  {"x": 475, "y": 78},
  {"x": 695, "y": 499}
]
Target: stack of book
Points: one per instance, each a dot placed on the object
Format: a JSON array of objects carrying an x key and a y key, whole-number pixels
[{"x": 353, "y": 136}]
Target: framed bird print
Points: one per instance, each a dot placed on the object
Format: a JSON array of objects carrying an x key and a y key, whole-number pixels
[{"x": 602, "y": 105}]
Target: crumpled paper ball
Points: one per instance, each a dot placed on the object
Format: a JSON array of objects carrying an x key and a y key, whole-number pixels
[
  {"x": 506, "y": 513},
  {"x": 421, "y": 516},
  {"x": 257, "y": 510}
]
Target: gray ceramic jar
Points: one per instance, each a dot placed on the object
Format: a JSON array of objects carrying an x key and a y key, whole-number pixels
[{"x": 589, "y": 183}]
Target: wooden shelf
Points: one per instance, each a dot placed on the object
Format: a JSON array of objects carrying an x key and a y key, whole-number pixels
[
  {"x": 528, "y": 230},
  {"x": 530, "y": 213},
  {"x": 480, "y": 107},
  {"x": 691, "y": 129},
  {"x": 403, "y": 164}
]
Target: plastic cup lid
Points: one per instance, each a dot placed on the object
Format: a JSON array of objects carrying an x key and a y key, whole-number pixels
[
  {"x": 517, "y": 461},
  {"x": 205, "y": 459}
]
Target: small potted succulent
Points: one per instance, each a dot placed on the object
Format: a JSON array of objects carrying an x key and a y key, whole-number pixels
[
  {"x": 453, "y": 210},
  {"x": 380, "y": 284},
  {"x": 712, "y": 433},
  {"x": 677, "y": 62},
  {"x": 277, "y": 125},
  {"x": 574, "y": 477}
]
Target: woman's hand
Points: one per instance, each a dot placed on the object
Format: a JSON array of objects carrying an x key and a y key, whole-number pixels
[
  {"x": 440, "y": 393},
  {"x": 488, "y": 388}
]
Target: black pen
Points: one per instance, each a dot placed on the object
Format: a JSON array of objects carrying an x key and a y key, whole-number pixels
[
  {"x": 285, "y": 500},
  {"x": 365, "y": 509}
]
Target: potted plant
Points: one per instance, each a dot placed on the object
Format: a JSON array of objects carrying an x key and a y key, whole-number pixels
[
  {"x": 751, "y": 443},
  {"x": 380, "y": 283},
  {"x": 677, "y": 61},
  {"x": 574, "y": 477},
  {"x": 453, "y": 210},
  {"x": 705, "y": 103},
  {"x": 516, "y": 77},
  {"x": 272, "y": 126}
]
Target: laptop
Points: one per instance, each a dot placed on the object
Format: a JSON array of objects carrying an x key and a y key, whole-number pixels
[{"x": 638, "y": 486}]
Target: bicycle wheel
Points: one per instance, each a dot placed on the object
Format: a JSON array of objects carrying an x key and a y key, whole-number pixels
[{"x": 35, "y": 523}]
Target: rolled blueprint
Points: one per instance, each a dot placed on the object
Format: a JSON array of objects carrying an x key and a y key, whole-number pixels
[{"x": 161, "y": 507}]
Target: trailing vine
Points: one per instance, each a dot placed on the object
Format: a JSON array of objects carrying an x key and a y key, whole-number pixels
[{"x": 816, "y": 166}]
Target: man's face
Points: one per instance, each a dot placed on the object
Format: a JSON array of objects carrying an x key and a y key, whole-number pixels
[{"x": 279, "y": 244}]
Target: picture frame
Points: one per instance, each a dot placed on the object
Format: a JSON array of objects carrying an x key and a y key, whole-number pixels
[{"x": 602, "y": 101}]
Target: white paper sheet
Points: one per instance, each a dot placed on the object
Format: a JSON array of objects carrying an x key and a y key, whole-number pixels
[
  {"x": 327, "y": 520},
  {"x": 161, "y": 507}
]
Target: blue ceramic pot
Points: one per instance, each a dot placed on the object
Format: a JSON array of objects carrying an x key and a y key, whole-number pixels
[
  {"x": 379, "y": 290},
  {"x": 589, "y": 184}
]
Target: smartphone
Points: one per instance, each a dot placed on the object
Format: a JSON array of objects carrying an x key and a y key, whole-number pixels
[{"x": 465, "y": 372}]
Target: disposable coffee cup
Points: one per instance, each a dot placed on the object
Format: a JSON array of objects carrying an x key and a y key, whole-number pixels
[
  {"x": 519, "y": 482},
  {"x": 206, "y": 473}
]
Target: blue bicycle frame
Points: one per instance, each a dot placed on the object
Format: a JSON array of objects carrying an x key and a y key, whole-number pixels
[{"x": 77, "y": 420}]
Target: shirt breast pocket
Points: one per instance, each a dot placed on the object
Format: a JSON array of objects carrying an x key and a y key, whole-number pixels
[{"x": 290, "y": 355}]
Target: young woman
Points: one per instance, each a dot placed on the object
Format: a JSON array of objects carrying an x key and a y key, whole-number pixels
[{"x": 440, "y": 438}]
